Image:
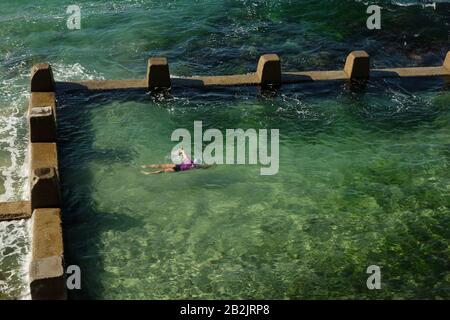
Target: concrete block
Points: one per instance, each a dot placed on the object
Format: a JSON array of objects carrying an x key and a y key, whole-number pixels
[
  {"x": 47, "y": 233},
  {"x": 43, "y": 99},
  {"x": 42, "y": 124},
  {"x": 269, "y": 70},
  {"x": 357, "y": 65},
  {"x": 45, "y": 189},
  {"x": 158, "y": 75},
  {"x": 447, "y": 61},
  {"x": 47, "y": 277},
  {"x": 42, "y": 78},
  {"x": 43, "y": 155},
  {"x": 15, "y": 210}
]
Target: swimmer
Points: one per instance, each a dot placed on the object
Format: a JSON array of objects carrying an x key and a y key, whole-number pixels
[{"x": 185, "y": 165}]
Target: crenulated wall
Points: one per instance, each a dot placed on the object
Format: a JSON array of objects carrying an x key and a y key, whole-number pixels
[{"x": 47, "y": 276}]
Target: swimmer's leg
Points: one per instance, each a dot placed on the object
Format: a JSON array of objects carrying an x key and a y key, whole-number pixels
[
  {"x": 159, "y": 166},
  {"x": 159, "y": 171},
  {"x": 154, "y": 172}
]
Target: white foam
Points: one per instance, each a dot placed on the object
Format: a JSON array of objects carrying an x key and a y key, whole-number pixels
[
  {"x": 15, "y": 174},
  {"x": 423, "y": 3},
  {"x": 74, "y": 72},
  {"x": 25, "y": 261},
  {"x": 15, "y": 246},
  {"x": 15, "y": 236}
]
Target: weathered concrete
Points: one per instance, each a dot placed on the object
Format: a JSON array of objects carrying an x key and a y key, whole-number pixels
[
  {"x": 447, "y": 61},
  {"x": 158, "y": 75},
  {"x": 357, "y": 65},
  {"x": 47, "y": 265},
  {"x": 45, "y": 189},
  {"x": 43, "y": 99},
  {"x": 47, "y": 233},
  {"x": 43, "y": 155},
  {"x": 311, "y": 76},
  {"x": 269, "y": 70},
  {"x": 47, "y": 278},
  {"x": 42, "y": 78},
  {"x": 231, "y": 80},
  {"x": 15, "y": 210},
  {"x": 42, "y": 124},
  {"x": 409, "y": 72},
  {"x": 102, "y": 85},
  {"x": 42, "y": 117}
]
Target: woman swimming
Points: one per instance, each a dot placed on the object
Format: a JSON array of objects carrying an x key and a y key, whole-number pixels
[{"x": 185, "y": 165}]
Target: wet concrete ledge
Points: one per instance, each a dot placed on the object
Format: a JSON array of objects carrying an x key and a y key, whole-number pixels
[
  {"x": 15, "y": 210},
  {"x": 47, "y": 277}
]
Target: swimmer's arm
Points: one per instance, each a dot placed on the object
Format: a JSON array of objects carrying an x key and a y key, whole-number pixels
[{"x": 185, "y": 156}]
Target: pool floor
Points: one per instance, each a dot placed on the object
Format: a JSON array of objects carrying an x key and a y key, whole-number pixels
[{"x": 363, "y": 180}]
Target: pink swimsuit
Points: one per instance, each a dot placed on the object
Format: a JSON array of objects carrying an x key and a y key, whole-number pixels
[{"x": 185, "y": 165}]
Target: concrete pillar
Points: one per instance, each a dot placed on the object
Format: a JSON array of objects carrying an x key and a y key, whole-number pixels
[
  {"x": 43, "y": 99},
  {"x": 42, "y": 78},
  {"x": 43, "y": 155},
  {"x": 42, "y": 124},
  {"x": 357, "y": 65},
  {"x": 447, "y": 61},
  {"x": 15, "y": 210},
  {"x": 158, "y": 75},
  {"x": 42, "y": 117},
  {"x": 45, "y": 189},
  {"x": 47, "y": 277},
  {"x": 269, "y": 70}
]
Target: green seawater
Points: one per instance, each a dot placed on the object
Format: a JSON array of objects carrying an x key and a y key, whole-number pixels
[{"x": 363, "y": 178}]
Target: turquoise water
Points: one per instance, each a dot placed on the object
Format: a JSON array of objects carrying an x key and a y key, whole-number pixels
[
  {"x": 363, "y": 180},
  {"x": 363, "y": 175}
]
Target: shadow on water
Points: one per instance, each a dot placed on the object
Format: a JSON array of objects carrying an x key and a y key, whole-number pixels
[
  {"x": 80, "y": 211},
  {"x": 403, "y": 109}
]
